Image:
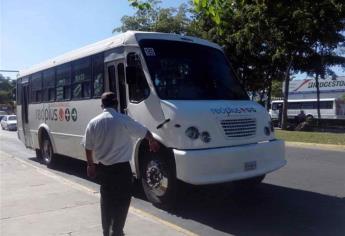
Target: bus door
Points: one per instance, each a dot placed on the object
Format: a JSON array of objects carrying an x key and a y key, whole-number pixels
[
  {"x": 117, "y": 84},
  {"x": 25, "y": 113}
]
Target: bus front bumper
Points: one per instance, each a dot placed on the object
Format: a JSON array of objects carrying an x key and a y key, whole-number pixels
[{"x": 219, "y": 165}]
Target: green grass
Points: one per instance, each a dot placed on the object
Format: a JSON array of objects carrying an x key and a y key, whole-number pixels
[{"x": 311, "y": 137}]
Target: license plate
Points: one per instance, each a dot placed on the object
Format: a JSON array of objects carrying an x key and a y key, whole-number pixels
[{"x": 250, "y": 165}]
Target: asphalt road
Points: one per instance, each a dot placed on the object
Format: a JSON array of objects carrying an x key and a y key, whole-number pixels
[{"x": 306, "y": 197}]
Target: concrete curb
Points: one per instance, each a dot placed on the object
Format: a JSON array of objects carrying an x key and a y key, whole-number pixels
[{"x": 316, "y": 146}]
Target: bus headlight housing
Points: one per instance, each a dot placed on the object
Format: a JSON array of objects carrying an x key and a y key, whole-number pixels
[
  {"x": 192, "y": 132},
  {"x": 205, "y": 137}
]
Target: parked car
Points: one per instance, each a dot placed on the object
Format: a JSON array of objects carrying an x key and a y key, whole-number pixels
[
  {"x": 9, "y": 122},
  {"x": 2, "y": 114}
]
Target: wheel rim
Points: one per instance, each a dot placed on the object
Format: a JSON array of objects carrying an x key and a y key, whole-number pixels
[
  {"x": 156, "y": 177},
  {"x": 47, "y": 151}
]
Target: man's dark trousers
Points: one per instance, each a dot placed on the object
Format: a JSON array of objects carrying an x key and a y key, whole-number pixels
[{"x": 116, "y": 192}]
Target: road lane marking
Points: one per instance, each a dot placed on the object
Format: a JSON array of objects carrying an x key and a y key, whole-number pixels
[
  {"x": 133, "y": 210},
  {"x": 167, "y": 223}
]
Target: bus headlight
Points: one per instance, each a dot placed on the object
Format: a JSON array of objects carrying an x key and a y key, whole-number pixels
[
  {"x": 205, "y": 137},
  {"x": 192, "y": 132}
]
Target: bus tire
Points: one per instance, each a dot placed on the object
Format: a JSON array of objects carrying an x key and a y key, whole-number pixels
[
  {"x": 249, "y": 183},
  {"x": 47, "y": 152},
  {"x": 158, "y": 178}
]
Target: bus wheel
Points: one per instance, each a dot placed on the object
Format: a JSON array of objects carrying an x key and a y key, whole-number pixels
[
  {"x": 47, "y": 152},
  {"x": 249, "y": 183},
  {"x": 158, "y": 179}
]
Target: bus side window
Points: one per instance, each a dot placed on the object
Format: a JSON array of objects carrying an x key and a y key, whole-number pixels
[
  {"x": 49, "y": 85},
  {"x": 326, "y": 105},
  {"x": 138, "y": 89},
  {"x": 122, "y": 87},
  {"x": 36, "y": 88},
  {"x": 294, "y": 105},
  {"x": 63, "y": 82},
  {"x": 112, "y": 78},
  {"x": 81, "y": 81},
  {"x": 98, "y": 74},
  {"x": 307, "y": 105}
]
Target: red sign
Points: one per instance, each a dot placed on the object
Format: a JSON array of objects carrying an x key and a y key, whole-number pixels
[{"x": 61, "y": 114}]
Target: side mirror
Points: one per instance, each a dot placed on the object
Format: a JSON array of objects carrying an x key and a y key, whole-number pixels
[{"x": 131, "y": 74}]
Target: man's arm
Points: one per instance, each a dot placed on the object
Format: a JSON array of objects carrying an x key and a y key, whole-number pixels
[
  {"x": 137, "y": 129},
  {"x": 91, "y": 167}
]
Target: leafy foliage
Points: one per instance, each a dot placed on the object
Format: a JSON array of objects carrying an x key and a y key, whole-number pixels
[
  {"x": 139, "y": 4},
  {"x": 154, "y": 18},
  {"x": 268, "y": 40},
  {"x": 6, "y": 89},
  {"x": 277, "y": 89}
]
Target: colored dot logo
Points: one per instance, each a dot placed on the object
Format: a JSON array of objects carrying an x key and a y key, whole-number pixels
[
  {"x": 74, "y": 114},
  {"x": 67, "y": 114},
  {"x": 61, "y": 114}
]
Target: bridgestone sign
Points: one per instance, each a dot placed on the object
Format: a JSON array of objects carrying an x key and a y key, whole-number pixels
[{"x": 309, "y": 85}]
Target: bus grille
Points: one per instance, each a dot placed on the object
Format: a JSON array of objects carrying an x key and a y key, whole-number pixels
[{"x": 236, "y": 128}]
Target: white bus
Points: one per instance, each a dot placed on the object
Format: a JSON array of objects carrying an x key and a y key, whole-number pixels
[
  {"x": 181, "y": 88},
  {"x": 330, "y": 108}
]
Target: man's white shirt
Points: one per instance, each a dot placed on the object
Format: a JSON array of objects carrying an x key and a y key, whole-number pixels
[{"x": 110, "y": 135}]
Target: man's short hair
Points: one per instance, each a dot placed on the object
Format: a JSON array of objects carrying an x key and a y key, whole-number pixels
[{"x": 109, "y": 99}]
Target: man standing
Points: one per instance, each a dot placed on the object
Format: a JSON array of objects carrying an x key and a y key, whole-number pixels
[{"x": 107, "y": 140}]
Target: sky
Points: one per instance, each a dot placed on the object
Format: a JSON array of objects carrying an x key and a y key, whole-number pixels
[{"x": 32, "y": 31}]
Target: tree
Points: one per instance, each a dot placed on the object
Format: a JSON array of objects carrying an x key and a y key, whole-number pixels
[
  {"x": 7, "y": 87},
  {"x": 154, "y": 18},
  {"x": 277, "y": 89},
  {"x": 266, "y": 38}
]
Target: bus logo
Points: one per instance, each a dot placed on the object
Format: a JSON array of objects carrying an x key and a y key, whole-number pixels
[
  {"x": 61, "y": 114},
  {"x": 67, "y": 114},
  {"x": 74, "y": 114}
]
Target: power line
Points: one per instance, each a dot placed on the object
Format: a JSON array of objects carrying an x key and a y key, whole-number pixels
[{"x": 14, "y": 71}]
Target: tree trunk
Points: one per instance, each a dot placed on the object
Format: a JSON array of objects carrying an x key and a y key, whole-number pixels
[
  {"x": 269, "y": 94},
  {"x": 286, "y": 96}
]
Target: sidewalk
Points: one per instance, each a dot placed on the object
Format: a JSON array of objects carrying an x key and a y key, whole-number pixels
[{"x": 37, "y": 202}]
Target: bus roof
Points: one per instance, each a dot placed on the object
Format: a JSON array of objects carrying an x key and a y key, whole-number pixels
[
  {"x": 129, "y": 38},
  {"x": 305, "y": 100}
]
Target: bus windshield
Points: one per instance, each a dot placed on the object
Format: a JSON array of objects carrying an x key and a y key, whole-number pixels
[{"x": 186, "y": 71}]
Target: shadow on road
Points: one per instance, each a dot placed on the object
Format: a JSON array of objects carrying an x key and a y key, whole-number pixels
[{"x": 266, "y": 210}]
